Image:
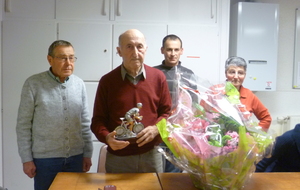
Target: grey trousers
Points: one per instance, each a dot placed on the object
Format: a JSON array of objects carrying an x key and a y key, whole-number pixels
[{"x": 149, "y": 162}]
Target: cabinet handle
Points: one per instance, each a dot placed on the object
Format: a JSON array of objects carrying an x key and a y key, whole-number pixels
[
  {"x": 214, "y": 12},
  {"x": 211, "y": 9},
  {"x": 118, "y": 7},
  {"x": 7, "y": 6},
  {"x": 104, "y": 8}
]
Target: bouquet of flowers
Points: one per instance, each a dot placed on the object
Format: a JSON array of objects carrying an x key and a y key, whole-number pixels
[{"x": 213, "y": 138}]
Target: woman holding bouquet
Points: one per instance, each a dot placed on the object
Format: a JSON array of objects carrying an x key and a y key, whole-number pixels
[{"x": 235, "y": 71}]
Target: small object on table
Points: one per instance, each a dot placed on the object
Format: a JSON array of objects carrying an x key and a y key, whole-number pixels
[{"x": 110, "y": 187}]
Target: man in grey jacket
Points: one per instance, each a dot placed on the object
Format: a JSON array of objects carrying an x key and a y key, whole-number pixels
[
  {"x": 175, "y": 73},
  {"x": 53, "y": 124}
]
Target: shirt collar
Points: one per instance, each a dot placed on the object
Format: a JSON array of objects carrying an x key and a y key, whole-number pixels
[
  {"x": 55, "y": 77},
  {"x": 168, "y": 67},
  {"x": 124, "y": 72}
]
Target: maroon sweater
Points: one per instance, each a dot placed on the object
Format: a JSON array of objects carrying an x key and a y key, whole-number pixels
[{"x": 116, "y": 96}]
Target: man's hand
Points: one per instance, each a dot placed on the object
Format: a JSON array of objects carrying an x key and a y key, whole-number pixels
[
  {"x": 87, "y": 163},
  {"x": 115, "y": 144},
  {"x": 29, "y": 169},
  {"x": 147, "y": 135}
]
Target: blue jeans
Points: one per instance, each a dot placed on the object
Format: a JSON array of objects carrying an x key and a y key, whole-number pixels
[
  {"x": 169, "y": 167},
  {"x": 47, "y": 168}
]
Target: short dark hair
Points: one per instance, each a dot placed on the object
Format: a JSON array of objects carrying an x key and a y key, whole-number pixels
[
  {"x": 236, "y": 61},
  {"x": 171, "y": 37},
  {"x": 57, "y": 43}
]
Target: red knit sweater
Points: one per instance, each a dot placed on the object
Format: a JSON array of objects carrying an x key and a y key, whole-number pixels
[{"x": 116, "y": 96}]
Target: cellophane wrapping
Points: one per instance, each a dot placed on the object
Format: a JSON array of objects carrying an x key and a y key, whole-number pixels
[{"x": 212, "y": 136}]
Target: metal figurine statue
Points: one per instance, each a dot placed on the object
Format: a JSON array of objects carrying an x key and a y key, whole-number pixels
[{"x": 131, "y": 124}]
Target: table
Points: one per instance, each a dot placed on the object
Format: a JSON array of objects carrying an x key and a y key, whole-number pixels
[
  {"x": 93, "y": 181},
  {"x": 259, "y": 181},
  {"x": 180, "y": 181},
  {"x": 274, "y": 181},
  {"x": 164, "y": 181}
]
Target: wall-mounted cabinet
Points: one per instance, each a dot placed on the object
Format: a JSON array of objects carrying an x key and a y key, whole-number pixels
[
  {"x": 174, "y": 11},
  {"x": 83, "y": 10},
  {"x": 187, "y": 11},
  {"x": 93, "y": 47},
  {"x": 29, "y": 9},
  {"x": 113, "y": 10},
  {"x": 193, "y": 11},
  {"x": 201, "y": 45}
]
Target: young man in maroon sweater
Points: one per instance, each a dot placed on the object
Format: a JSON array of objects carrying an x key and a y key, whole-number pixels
[{"x": 120, "y": 90}]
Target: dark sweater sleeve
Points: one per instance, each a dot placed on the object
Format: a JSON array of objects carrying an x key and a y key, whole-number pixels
[
  {"x": 281, "y": 147},
  {"x": 165, "y": 100},
  {"x": 100, "y": 114}
]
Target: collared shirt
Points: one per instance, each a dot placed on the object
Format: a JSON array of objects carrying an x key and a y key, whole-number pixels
[
  {"x": 132, "y": 79},
  {"x": 55, "y": 77}
]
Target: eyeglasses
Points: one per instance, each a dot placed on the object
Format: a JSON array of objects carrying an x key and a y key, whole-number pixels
[
  {"x": 64, "y": 59},
  {"x": 239, "y": 73}
]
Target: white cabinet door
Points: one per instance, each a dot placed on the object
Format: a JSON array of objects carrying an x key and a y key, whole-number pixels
[
  {"x": 119, "y": 10},
  {"x": 141, "y": 10},
  {"x": 93, "y": 47},
  {"x": 187, "y": 11},
  {"x": 154, "y": 33},
  {"x": 193, "y": 11},
  {"x": 79, "y": 9},
  {"x": 37, "y": 9},
  {"x": 24, "y": 51},
  {"x": 201, "y": 46}
]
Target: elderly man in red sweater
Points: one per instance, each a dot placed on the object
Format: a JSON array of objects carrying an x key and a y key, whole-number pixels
[{"x": 119, "y": 91}]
